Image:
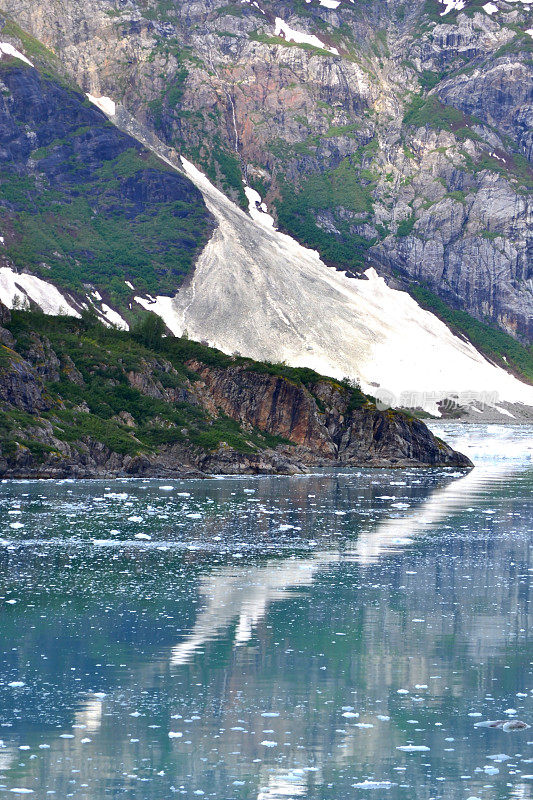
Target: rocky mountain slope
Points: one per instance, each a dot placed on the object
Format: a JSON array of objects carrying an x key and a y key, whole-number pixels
[
  {"x": 118, "y": 227},
  {"x": 80, "y": 400},
  {"x": 391, "y": 134}
]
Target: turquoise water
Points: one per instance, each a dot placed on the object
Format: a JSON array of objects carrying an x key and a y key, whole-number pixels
[{"x": 328, "y": 636}]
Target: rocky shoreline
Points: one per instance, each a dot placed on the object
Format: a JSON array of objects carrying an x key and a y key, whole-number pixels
[{"x": 78, "y": 400}]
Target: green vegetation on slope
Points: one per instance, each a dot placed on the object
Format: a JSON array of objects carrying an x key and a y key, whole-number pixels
[
  {"x": 82, "y": 203},
  {"x": 100, "y": 370},
  {"x": 494, "y": 343},
  {"x": 430, "y": 112},
  {"x": 343, "y": 187}
]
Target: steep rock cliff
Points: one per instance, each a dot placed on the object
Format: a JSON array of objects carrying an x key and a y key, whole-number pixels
[
  {"x": 325, "y": 421},
  {"x": 402, "y": 140}
]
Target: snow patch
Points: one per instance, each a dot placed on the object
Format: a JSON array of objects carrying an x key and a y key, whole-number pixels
[
  {"x": 504, "y": 412},
  {"x": 452, "y": 5},
  {"x": 105, "y": 104},
  {"x": 257, "y": 209},
  {"x": 330, "y": 3},
  {"x": 258, "y": 292},
  {"x": 530, "y": 31},
  {"x": 290, "y": 35},
  {"x": 490, "y": 8},
  {"x": 114, "y": 318},
  {"x": 8, "y": 50},
  {"x": 16, "y": 288}
]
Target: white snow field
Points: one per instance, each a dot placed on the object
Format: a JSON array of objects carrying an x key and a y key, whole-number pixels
[
  {"x": 17, "y": 288},
  {"x": 291, "y": 35},
  {"x": 258, "y": 292}
]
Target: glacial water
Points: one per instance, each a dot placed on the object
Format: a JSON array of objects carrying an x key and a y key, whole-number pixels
[{"x": 332, "y": 636}]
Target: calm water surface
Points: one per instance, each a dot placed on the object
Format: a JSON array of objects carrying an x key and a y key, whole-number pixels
[{"x": 329, "y": 636}]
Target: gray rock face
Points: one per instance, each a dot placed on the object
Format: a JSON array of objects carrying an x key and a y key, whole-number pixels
[{"x": 421, "y": 118}]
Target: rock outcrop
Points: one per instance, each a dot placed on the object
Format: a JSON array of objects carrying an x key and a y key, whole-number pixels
[
  {"x": 103, "y": 404},
  {"x": 321, "y": 421}
]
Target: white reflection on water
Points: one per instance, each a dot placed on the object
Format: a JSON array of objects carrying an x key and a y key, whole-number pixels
[
  {"x": 90, "y": 714},
  {"x": 393, "y": 533},
  {"x": 284, "y": 784},
  {"x": 244, "y": 595}
]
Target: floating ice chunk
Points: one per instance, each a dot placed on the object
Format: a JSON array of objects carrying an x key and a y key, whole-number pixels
[
  {"x": 18, "y": 790},
  {"x": 105, "y": 104},
  {"x": 8, "y": 50},
  {"x": 145, "y": 536},
  {"x": 135, "y": 519},
  {"x": 413, "y": 748},
  {"x": 374, "y": 785},
  {"x": 166, "y": 488},
  {"x": 174, "y": 735},
  {"x": 515, "y": 725},
  {"x": 268, "y": 743},
  {"x": 16, "y": 684},
  {"x": 350, "y": 714},
  {"x": 270, "y": 714},
  {"x": 16, "y": 525}
]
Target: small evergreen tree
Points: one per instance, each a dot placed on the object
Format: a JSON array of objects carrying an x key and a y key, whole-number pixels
[{"x": 149, "y": 331}]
